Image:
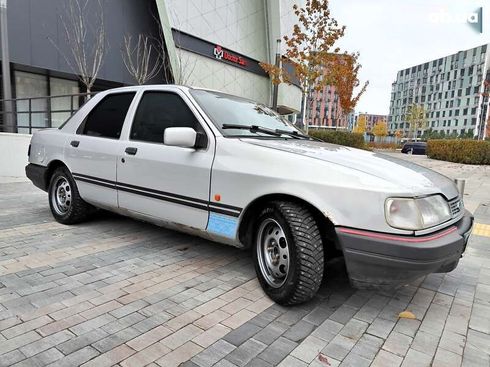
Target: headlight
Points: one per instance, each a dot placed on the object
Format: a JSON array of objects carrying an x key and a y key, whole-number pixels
[{"x": 416, "y": 214}]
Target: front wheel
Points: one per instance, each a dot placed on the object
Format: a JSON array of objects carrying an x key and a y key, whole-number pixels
[{"x": 288, "y": 252}]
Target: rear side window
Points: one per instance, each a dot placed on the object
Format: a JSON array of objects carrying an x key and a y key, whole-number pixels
[
  {"x": 107, "y": 118},
  {"x": 156, "y": 112}
]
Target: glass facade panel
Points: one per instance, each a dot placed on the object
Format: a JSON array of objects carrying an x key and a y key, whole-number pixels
[
  {"x": 63, "y": 107},
  {"x": 31, "y": 85}
]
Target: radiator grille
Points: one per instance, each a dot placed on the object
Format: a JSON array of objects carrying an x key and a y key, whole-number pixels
[{"x": 456, "y": 206}]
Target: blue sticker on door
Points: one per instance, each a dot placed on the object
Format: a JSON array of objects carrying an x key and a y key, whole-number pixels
[{"x": 222, "y": 225}]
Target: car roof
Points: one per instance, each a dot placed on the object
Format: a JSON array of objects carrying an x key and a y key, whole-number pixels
[{"x": 150, "y": 86}]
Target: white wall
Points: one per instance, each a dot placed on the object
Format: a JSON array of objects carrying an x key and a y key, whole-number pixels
[
  {"x": 13, "y": 154},
  {"x": 204, "y": 72},
  {"x": 238, "y": 25}
]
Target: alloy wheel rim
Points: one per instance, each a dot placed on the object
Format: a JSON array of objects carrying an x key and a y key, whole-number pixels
[
  {"x": 273, "y": 253},
  {"x": 61, "y": 196}
]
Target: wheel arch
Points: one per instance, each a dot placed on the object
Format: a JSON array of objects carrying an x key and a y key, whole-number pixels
[
  {"x": 51, "y": 167},
  {"x": 324, "y": 222}
]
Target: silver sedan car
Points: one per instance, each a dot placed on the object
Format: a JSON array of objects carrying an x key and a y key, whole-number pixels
[{"x": 233, "y": 171}]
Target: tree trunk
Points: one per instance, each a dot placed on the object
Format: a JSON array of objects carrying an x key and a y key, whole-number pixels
[{"x": 305, "y": 106}]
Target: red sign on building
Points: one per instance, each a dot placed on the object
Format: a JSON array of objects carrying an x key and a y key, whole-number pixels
[{"x": 222, "y": 54}]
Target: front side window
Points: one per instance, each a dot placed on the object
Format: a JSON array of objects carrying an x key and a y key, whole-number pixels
[
  {"x": 158, "y": 111},
  {"x": 225, "y": 109},
  {"x": 107, "y": 118}
]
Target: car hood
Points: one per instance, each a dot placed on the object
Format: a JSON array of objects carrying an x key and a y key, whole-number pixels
[{"x": 402, "y": 173}]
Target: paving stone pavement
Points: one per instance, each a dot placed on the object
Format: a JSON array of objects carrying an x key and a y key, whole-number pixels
[{"x": 114, "y": 291}]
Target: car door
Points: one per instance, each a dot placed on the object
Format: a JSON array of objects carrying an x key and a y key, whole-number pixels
[
  {"x": 91, "y": 154},
  {"x": 165, "y": 182}
]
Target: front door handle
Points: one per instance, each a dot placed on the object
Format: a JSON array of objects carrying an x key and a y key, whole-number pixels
[
  {"x": 131, "y": 151},
  {"x": 75, "y": 143}
]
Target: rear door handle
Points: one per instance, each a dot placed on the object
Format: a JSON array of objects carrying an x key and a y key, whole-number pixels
[
  {"x": 131, "y": 151},
  {"x": 75, "y": 143}
]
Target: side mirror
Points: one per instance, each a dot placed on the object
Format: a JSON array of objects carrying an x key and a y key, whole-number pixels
[{"x": 184, "y": 137}]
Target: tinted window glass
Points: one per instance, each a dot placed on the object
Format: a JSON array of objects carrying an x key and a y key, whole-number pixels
[
  {"x": 107, "y": 118},
  {"x": 156, "y": 112}
]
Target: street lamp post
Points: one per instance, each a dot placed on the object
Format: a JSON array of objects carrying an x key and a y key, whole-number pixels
[
  {"x": 275, "y": 91},
  {"x": 6, "y": 86}
]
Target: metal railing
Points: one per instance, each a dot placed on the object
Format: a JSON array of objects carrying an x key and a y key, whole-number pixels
[{"x": 24, "y": 115}]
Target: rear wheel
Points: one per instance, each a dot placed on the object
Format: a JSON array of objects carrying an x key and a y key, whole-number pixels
[
  {"x": 288, "y": 252},
  {"x": 65, "y": 202}
]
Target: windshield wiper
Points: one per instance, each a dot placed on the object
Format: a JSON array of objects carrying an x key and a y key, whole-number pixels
[
  {"x": 293, "y": 134},
  {"x": 251, "y": 128}
]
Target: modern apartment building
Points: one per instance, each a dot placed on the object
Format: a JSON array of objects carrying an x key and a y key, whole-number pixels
[
  {"x": 450, "y": 88},
  {"x": 352, "y": 120},
  {"x": 371, "y": 119},
  {"x": 325, "y": 110}
]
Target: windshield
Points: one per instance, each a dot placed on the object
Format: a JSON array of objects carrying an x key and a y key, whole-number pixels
[{"x": 225, "y": 109}]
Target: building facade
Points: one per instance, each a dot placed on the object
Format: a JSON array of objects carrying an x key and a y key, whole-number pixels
[
  {"x": 352, "y": 120},
  {"x": 371, "y": 119},
  {"x": 451, "y": 89},
  {"x": 208, "y": 44},
  {"x": 37, "y": 48},
  {"x": 325, "y": 111}
]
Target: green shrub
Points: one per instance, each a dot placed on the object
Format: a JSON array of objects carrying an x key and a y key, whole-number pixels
[
  {"x": 346, "y": 138},
  {"x": 382, "y": 145},
  {"x": 460, "y": 151}
]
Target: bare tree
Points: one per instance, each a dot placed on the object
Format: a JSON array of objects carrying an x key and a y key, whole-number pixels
[
  {"x": 185, "y": 67},
  {"x": 141, "y": 59},
  {"x": 86, "y": 40}
]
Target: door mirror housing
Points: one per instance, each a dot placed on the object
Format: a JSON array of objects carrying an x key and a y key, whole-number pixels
[{"x": 184, "y": 137}]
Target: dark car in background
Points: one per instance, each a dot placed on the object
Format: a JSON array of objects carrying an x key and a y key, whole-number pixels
[{"x": 415, "y": 147}]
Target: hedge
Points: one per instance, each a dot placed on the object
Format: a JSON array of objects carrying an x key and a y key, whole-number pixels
[
  {"x": 460, "y": 151},
  {"x": 346, "y": 138},
  {"x": 382, "y": 145}
]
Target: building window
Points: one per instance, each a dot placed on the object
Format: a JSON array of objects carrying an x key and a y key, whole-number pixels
[
  {"x": 31, "y": 85},
  {"x": 63, "y": 107}
]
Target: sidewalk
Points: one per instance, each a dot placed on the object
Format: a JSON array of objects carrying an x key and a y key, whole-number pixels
[{"x": 118, "y": 292}]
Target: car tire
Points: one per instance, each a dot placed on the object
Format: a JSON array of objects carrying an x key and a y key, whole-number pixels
[
  {"x": 288, "y": 252},
  {"x": 65, "y": 202}
]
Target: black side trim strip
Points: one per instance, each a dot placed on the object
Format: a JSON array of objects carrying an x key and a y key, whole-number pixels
[
  {"x": 120, "y": 184},
  {"x": 225, "y": 212},
  {"x": 225, "y": 206},
  {"x": 109, "y": 185},
  {"x": 164, "y": 198},
  {"x": 161, "y": 195},
  {"x": 94, "y": 178}
]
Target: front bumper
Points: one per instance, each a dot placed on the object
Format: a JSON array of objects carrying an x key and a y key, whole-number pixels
[{"x": 377, "y": 260}]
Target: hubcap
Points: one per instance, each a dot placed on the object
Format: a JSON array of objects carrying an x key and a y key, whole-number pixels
[
  {"x": 61, "y": 195},
  {"x": 273, "y": 253}
]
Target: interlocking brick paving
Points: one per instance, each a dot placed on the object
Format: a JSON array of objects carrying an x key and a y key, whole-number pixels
[{"x": 115, "y": 291}]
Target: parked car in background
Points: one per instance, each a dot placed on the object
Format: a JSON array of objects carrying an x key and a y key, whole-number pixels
[
  {"x": 417, "y": 147},
  {"x": 231, "y": 170}
]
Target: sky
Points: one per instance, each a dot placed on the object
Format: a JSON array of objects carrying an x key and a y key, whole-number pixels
[{"x": 394, "y": 34}]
